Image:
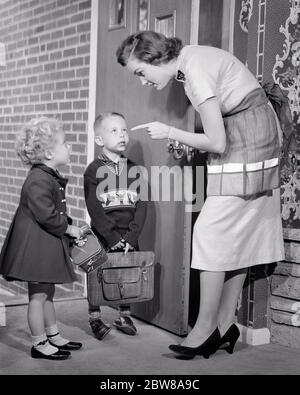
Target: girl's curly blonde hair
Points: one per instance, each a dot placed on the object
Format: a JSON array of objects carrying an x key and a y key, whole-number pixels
[{"x": 36, "y": 137}]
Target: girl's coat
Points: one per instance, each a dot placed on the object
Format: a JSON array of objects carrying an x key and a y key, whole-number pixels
[{"x": 36, "y": 248}]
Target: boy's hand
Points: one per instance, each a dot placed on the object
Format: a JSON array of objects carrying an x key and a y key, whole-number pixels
[
  {"x": 128, "y": 247},
  {"x": 120, "y": 244}
]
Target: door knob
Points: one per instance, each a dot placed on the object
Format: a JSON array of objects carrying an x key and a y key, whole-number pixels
[
  {"x": 180, "y": 150},
  {"x": 176, "y": 148}
]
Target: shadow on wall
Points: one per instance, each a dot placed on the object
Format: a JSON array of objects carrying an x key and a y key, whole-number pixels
[
  {"x": 173, "y": 108},
  {"x": 178, "y": 107}
]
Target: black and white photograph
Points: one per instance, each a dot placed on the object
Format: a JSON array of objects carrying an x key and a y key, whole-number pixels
[{"x": 149, "y": 191}]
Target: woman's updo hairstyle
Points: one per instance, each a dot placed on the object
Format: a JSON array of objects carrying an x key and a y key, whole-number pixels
[{"x": 149, "y": 47}]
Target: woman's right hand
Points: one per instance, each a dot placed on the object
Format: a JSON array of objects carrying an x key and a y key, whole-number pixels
[
  {"x": 156, "y": 130},
  {"x": 74, "y": 231}
]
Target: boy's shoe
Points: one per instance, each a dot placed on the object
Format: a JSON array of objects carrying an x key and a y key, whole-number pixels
[
  {"x": 99, "y": 328},
  {"x": 125, "y": 324}
]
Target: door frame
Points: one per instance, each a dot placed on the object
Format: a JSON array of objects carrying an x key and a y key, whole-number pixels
[
  {"x": 94, "y": 48},
  {"x": 228, "y": 25}
]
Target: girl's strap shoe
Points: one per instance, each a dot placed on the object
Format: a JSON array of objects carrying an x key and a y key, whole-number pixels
[
  {"x": 57, "y": 356},
  {"x": 70, "y": 346}
]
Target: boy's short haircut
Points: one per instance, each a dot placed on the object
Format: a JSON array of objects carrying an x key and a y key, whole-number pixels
[
  {"x": 101, "y": 117},
  {"x": 35, "y": 138}
]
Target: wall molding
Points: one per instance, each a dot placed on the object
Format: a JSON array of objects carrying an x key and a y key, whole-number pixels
[
  {"x": 92, "y": 84},
  {"x": 254, "y": 337},
  {"x": 228, "y": 25}
]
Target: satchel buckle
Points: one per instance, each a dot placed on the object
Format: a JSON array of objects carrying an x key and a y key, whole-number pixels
[
  {"x": 144, "y": 274},
  {"x": 121, "y": 289}
]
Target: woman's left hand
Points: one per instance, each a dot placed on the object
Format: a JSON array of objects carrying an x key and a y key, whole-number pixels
[{"x": 157, "y": 130}]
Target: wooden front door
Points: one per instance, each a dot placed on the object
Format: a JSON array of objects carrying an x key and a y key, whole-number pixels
[{"x": 168, "y": 225}]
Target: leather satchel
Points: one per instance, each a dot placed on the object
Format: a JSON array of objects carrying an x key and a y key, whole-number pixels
[
  {"x": 91, "y": 255},
  {"x": 123, "y": 279}
]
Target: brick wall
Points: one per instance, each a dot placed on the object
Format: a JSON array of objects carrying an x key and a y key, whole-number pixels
[
  {"x": 47, "y": 46},
  {"x": 285, "y": 298}
]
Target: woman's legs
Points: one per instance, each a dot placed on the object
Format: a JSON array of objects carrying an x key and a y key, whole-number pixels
[
  {"x": 232, "y": 288},
  {"x": 211, "y": 287},
  {"x": 218, "y": 302}
]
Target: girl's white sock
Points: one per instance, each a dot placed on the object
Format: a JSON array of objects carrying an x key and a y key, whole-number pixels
[
  {"x": 42, "y": 344},
  {"x": 55, "y": 337}
]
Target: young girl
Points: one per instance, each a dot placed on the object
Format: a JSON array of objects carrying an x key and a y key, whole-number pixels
[{"x": 36, "y": 249}]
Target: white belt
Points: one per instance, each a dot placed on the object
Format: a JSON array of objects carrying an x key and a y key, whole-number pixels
[{"x": 239, "y": 167}]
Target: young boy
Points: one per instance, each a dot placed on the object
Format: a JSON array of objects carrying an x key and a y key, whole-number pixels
[{"x": 117, "y": 214}]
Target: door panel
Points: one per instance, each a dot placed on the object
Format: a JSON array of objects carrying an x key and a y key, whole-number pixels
[{"x": 168, "y": 228}]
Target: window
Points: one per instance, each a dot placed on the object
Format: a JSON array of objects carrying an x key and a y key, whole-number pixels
[{"x": 117, "y": 14}]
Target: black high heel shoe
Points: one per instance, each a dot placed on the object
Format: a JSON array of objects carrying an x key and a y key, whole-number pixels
[
  {"x": 229, "y": 339},
  {"x": 209, "y": 347}
]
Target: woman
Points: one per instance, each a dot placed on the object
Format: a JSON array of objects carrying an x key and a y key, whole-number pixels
[{"x": 239, "y": 225}]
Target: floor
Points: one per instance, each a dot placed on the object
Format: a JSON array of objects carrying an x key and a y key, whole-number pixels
[{"x": 144, "y": 354}]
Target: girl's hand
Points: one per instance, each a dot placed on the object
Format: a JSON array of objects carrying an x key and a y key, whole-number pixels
[
  {"x": 74, "y": 231},
  {"x": 157, "y": 130},
  {"x": 81, "y": 242}
]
